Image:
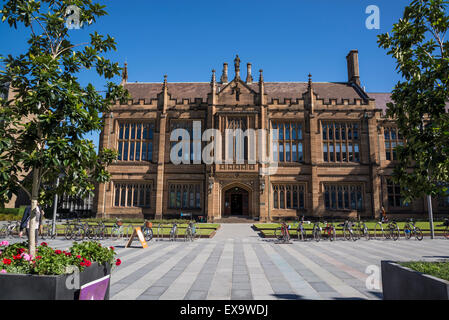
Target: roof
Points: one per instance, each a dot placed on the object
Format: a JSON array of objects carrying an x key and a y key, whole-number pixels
[
  {"x": 274, "y": 90},
  {"x": 382, "y": 98}
]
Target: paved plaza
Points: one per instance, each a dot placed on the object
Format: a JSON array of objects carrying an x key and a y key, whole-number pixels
[{"x": 238, "y": 264}]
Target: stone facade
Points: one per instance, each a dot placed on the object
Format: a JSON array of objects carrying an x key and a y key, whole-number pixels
[{"x": 333, "y": 161}]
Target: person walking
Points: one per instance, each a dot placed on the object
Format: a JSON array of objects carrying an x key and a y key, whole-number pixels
[{"x": 25, "y": 223}]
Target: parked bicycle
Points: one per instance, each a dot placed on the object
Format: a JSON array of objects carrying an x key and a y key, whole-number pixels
[
  {"x": 301, "y": 230},
  {"x": 362, "y": 230},
  {"x": 119, "y": 231},
  {"x": 281, "y": 233},
  {"x": 348, "y": 230},
  {"x": 329, "y": 231},
  {"x": 316, "y": 231},
  {"x": 391, "y": 230},
  {"x": 411, "y": 229},
  {"x": 10, "y": 229},
  {"x": 192, "y": 232},
  {"x": 174, "y": 232},
  {"x": 75, "y": 230},
  {"x": 47, "y": 230}
]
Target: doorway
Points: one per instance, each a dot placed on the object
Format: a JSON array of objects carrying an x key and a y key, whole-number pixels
[{"x": 236, "y": 202}]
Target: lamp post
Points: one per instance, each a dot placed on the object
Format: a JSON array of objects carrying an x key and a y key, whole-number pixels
[{"x": 55, "y": 208}]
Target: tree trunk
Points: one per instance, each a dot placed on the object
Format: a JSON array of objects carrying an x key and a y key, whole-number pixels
[{"x": 34, "y": 204}]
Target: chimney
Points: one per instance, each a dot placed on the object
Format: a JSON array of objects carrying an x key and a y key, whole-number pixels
[
  {"x": 249, "y": 77},
  {"x": 125, "y": 74},
  {"x": 224, "y": 75},
  {"x": 353, "y": 67}
]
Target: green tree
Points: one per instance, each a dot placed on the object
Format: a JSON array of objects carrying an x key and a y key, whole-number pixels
[
  {"x": 43, "y": 127},
  {"x": 417, "y": 43}
]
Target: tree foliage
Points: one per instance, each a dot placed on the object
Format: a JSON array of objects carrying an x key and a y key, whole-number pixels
[
  {"x": 43, "y": 128},
  {"x": 417, "y": 43}
]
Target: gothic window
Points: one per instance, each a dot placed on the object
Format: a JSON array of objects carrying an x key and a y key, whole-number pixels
[
  {"x": 135, "y": 141},
  {"x": 392, "y": 139},
  {"x": 188, "y": 126},
  {"x": 132, "y": 195},
  {"x": 341, "y": 141},
  {"x": 288, "y": 147},
  {"x": 288, "y": 196},
  {"x": 394, "y": 195},
  {"x": 184, "y": 196},
  {"x": 343, "y": 197},
  {"x": 235, "y": 123}
]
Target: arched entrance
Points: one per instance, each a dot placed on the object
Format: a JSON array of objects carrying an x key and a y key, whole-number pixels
[{"x": 236, "y": 202}]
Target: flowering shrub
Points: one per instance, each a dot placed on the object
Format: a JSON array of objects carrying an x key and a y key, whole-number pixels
[{"x": 16, "y": 259}]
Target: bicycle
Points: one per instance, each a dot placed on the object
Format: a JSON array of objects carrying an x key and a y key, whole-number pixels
[
  {"x": 10, "y": 229},
  {"x": 191, "y": 233},
  {"x": 47, "y": 230},
  {"x": 410, "y": 229},
  {"x": 301, "y": 231},
  {"x": 174, "y": 232},
  {"x": 316, "y": 231},
  {"x": 329, "y": 231},
  {"x": 118, "y": 230},
  {"x": 281, "y": 233},
  {"x": 348, "y": 230},
  {"x": 362, "y": 230},
  {"x": 391, "y": 231}
]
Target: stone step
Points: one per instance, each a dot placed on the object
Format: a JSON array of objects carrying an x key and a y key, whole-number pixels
[{"x": 236, "y": 219}]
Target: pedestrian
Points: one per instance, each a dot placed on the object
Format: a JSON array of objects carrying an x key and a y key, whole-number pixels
[
  {"x": 25, "y": 223},
  {"x": 383, "y": 215}
]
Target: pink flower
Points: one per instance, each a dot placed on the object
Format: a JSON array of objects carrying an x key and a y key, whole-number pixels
[
  {"x": 27, "y": 257},
  {"x": 3, "y": 271},
  {"x": 4, "y": 243}
]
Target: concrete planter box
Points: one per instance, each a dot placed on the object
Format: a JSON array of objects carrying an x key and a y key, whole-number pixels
[
  {"x": 36, "y": 287},
  {"x": 401, "y": 283}
]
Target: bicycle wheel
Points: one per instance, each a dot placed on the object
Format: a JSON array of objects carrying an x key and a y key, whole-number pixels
[
  {"x": 346, "y": 234},
  {"x": 278, "y": 233},
  {"x": 188, "y": 235},
  {"x": 174, "y": 233},
  {"x": 90, "y": 232},
  {"x": 68, "y": 232},
  {"x": 148, "y": 233},
  {"x": 394, "y": 233},
  {"x": 332, "y": 234},
  {"x": 317, "y": 234},
  {"x": 407, "y": 232},
  {"x": 418, "y": 234},
  {"x": 363, "y": 232},
  {"x": 79, "y": 234}
]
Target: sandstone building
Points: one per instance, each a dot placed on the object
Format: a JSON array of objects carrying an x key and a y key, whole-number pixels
[{"x": 335, "y": 150}]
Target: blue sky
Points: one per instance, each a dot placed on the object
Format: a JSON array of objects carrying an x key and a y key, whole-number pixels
[{"x": 286, "y": 38}]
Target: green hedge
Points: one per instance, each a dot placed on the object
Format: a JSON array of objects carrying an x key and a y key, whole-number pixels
[{"x": 13, "y": 211}]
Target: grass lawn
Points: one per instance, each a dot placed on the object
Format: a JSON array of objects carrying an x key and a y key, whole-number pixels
[{"x": 436, "y": 269}]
